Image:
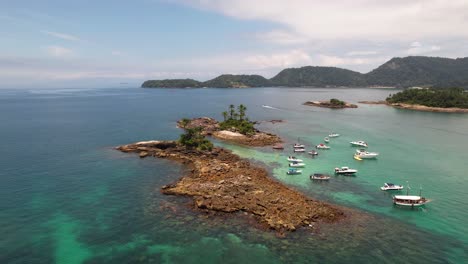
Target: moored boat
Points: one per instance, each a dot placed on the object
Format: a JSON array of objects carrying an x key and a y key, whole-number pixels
[
  {"x": 332, "y": 135},
  {"x": 391, "y": 187},
  {"x": 278, "y": 146},
  {"x": 293, "y": 171},
  {"x": 410, "y": 200},
  {"x": 345, "y": 171},
  {"x": 313, "y": 152},
  {"x": 319, "y": 177},
  {"x": 294, "y": 159},
  {"x": 296, "y": 164},
  {"x": 326, "y": 139},
  {"x": 359, "y": 143},
  {"x": 363, "y": 154},
  {"x": 297, "y": 145},
  {"x": 322, "y": 146},
  {"x": 299, "y": 150}
]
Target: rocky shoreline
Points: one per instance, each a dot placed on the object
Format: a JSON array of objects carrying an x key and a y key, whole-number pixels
[
  {"x": 211, "y": 128},
  {"x": 419, "y": 107},
  {"x": 327, "y": 104},
  {"x": 221, "y": 181}
]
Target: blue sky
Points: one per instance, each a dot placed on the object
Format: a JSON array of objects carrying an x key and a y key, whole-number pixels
[{"x": 103, "y": 43}]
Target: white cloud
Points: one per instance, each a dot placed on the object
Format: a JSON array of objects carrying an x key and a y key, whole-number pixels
[
  {"x": 417, "y": 48},
  {"x": 343, "y": 19},
  {"x": 278, "y": 60},
  {"x": 59, "y": 51},
  {"x": 282, "y": 37},
  {"x": 61, "y": 35},
  {"x": 362, "y": 53}
]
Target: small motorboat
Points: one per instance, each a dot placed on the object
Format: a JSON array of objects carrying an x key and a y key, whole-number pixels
[
  {"x": 322, "y": 146},
  {"x": 391, "y": 187},
  {"x": 332, "y": 135},
  {"x": 278, "y": 146},
  {"x": 296, "y": 164},
  {"x": 294, "y": 159},
  {"x": 345, "y": 171},
  {"x": 293, "y": 172},
  {"x": 359, "y": 143},
  {"x": 363, "y": 154},
  {"x": 410, "y": 200},
  {"x": 319, "y": 177},
  {"x": 326, "y": 139},
  {"x": 297, "y": 145},
  {"x": 313, "y": 152},
  {"x": 299, "y": 150}
]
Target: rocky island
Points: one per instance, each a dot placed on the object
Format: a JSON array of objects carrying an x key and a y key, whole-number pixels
[
  {"x": 454, "y": 100},
  {"x": 236, "y": 128},
  {"x": 332, "y": 103},
  {"x": 221, "y": 181}
]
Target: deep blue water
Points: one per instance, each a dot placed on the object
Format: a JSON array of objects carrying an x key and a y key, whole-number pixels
[{"x": 66, "y": 196}]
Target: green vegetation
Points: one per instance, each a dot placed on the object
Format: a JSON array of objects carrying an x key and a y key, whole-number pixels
[
  {"x": 336, "y": 102},
  {"x": 398, "y": 72},
  {"x": 174, "y": 83},
  {"x": 318, "y": 77},
  {"x": 237, "y": 121},
  {"x": 193, "y": 139},
  {"x": 453, "y": 97}
]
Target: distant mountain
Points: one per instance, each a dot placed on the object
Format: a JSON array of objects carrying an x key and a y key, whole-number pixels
[
  {"x": 398, "y": 72},
  {"x": 318, "y": 76},
  {"x": 421, "y": 71}
]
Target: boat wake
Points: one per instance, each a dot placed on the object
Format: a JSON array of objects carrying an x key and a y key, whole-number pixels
[{"x": 270, "y": 107}]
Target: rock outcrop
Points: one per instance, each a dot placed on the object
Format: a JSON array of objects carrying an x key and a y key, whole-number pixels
[
  {"x": 211, "y": 128},
  {"x": 327, "y": 104},
  {"x": 221, "y": 181}
]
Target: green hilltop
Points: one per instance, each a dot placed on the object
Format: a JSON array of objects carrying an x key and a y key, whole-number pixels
[{"x": 397, "y": 72}]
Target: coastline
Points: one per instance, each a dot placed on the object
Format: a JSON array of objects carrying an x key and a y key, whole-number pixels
[
  {"x": 418, "y": 107},
  {"x": 222, "y": 181}
]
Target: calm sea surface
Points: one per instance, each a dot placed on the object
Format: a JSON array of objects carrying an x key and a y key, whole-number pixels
[{"x": 67, "y": 197}]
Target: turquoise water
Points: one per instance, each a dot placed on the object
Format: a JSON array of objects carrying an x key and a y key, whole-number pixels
[{"x": 67, "y": 197}]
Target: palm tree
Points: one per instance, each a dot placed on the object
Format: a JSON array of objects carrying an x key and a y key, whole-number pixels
[
  {"x": 225, "y": 115},
  {"x": 232, "y": 111},
  {"x": 241, "y": 109}
]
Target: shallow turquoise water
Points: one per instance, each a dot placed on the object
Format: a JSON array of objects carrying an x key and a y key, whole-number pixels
[{"x": 67, "y": 197}]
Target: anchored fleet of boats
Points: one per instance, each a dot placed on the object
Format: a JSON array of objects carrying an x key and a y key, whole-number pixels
[{"x": 360, "y": 154}]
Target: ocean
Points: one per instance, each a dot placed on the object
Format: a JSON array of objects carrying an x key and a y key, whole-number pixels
[{"x": 66, "y": 196}]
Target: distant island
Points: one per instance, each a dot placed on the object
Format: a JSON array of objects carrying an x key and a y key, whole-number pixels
[
  {"x": 404, "y": 72},
  {"x": 332, "y": 103},
  {"x": 451, "y": 100}
]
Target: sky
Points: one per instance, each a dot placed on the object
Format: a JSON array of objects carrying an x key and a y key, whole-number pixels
[{"x": 110, "y": 43}]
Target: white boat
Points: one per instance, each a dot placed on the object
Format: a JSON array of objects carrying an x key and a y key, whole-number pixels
[
  {"x": 293, "y": 172},
  {"x": 294, "y": 159},
  {"x": 391, "y": 187},
  {"x": 297, "y": 145},
  {"x": 345, "y": 171},
  {"x": 313, "y": 152},
  {"x": 363, "y": 154},
  {"x": 322, "y": 146},
  {"x": 410, "y": 200},
  {"x": 319, "y": 177},
  {"x": 299, "y": 150},
  {"x": 359, "y": 143},
  {"x": 326, "y": 139},
  {"x": 332, "y": 135},
  {"x": 296, "y": 164}
]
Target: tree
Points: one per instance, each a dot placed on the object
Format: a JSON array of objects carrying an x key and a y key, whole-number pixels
[
  {"x": 193, "y": 139},
  {"x": 242, "y": 110},
  {"x": 225, "y": 115},
  {"x": 184, "y": 122},
  {"x": 232, "y": 111}
]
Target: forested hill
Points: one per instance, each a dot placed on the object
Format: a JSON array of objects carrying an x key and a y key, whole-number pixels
[{"x": 398, "y": 72}]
